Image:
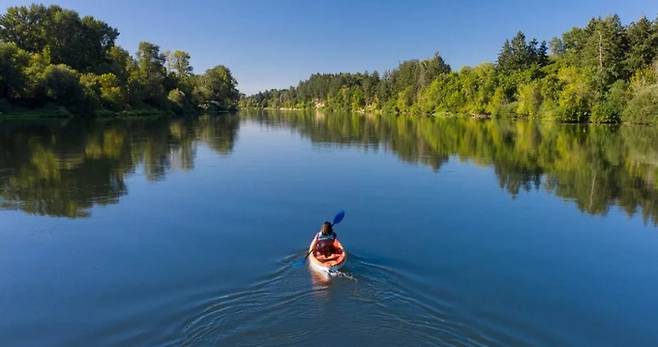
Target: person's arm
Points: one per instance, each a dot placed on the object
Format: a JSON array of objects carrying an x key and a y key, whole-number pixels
[
  {"x": 311, "y": 249},
  {"x": 315, "y": 240}
]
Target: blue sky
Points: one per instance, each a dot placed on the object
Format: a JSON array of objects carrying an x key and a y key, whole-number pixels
[{"x": 274, "y": 44}]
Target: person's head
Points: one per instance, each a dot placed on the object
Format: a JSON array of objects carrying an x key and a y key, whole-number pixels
[{"x": 326, "y": 228}]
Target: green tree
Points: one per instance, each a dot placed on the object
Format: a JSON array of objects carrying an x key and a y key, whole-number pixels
[
  {"x": 576, "y": 97},
  {"x": 61, "y": 85},
  {"x": 13, "y": 63},
  {"x": 517, "y": 54},
  {"x": 556, "y": 47},
  {"x": 604, "y": 50},
  {"x": 530, "y": 99},
  {"x": 216, "y": 89},
  {"x": 120, "y": 63},
  {"x": 150, "y": 74},
  {"x": 614, "y": 102},
  {"x": 643, "y": 107},
  {"x": 105, "y": 89},
  {"x": 643, "y": 44},
  {"x": 81, "y": 43},
  {"x": 178, "y": 62}
]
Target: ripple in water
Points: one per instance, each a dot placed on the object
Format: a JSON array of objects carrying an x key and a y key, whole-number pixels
[{"x": 367, "y": 303}]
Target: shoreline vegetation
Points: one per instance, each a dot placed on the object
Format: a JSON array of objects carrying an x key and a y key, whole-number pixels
[
  {"x": 606, "y": 72},
  {"x": 54, "y": 63}
]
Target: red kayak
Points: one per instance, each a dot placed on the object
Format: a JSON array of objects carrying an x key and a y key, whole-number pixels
[{"x": 328, "y": 264}]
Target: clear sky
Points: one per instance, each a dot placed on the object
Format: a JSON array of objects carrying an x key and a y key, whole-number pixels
[{"x": 274, "y": 44}]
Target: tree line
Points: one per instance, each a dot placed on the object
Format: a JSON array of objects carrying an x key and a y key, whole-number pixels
[
  {"x": 51, "y": 58},
  {"x": 606, "y": 72}
]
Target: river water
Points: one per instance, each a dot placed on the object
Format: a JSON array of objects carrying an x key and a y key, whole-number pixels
[{"x": 459, "y": 232}]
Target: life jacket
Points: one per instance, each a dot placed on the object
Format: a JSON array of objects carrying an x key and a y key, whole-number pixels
[{"x": 324, "y": 244}]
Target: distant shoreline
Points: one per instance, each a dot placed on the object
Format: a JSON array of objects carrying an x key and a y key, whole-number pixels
[{"x": 481, "y": 116}]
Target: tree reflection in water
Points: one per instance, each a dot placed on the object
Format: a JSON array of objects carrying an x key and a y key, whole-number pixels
[
  {"x": 62, "y": 168},
  {"x": 597, "y": 166}
]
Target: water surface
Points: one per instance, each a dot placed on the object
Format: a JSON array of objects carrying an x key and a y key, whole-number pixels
[{"x": 460, "y": 232}]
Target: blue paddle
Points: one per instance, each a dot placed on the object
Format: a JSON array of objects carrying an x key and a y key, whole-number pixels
[{"x": 337, "y": 219}]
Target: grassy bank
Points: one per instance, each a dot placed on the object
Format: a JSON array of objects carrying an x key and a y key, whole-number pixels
[{"x": 58, "y": 112}]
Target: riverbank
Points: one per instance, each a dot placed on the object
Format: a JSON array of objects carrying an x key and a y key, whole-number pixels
[
  {"x": 445, "y": 114},
  {"x": 56, "y": 112},
  {"x": 63, "y": 113}
]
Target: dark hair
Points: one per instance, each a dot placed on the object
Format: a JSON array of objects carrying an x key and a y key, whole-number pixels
[{"x": 326, "y": 228}]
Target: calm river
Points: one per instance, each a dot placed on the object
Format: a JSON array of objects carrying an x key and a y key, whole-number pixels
[{"x": 460, "y": 232}]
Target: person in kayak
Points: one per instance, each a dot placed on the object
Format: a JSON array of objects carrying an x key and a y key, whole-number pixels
[{"x": 324, "y": 240}]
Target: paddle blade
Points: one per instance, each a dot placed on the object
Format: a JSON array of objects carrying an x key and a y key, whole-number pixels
[{"x": 339, "y": 217}]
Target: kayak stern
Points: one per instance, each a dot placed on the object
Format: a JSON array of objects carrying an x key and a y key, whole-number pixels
[{"x": 331, "y": 264}]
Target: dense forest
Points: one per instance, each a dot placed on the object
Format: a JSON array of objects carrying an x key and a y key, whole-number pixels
[
  {"x": 605, "y": 72},
  {"x": 53, "y": 59}
]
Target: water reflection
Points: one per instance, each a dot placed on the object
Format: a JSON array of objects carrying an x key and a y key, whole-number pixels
[
  {"x": 594, "y": 165},
  {"x": 62, "y": 168}
]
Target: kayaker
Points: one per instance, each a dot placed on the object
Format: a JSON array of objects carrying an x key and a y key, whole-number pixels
[{"x": 324, "y": 240}]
